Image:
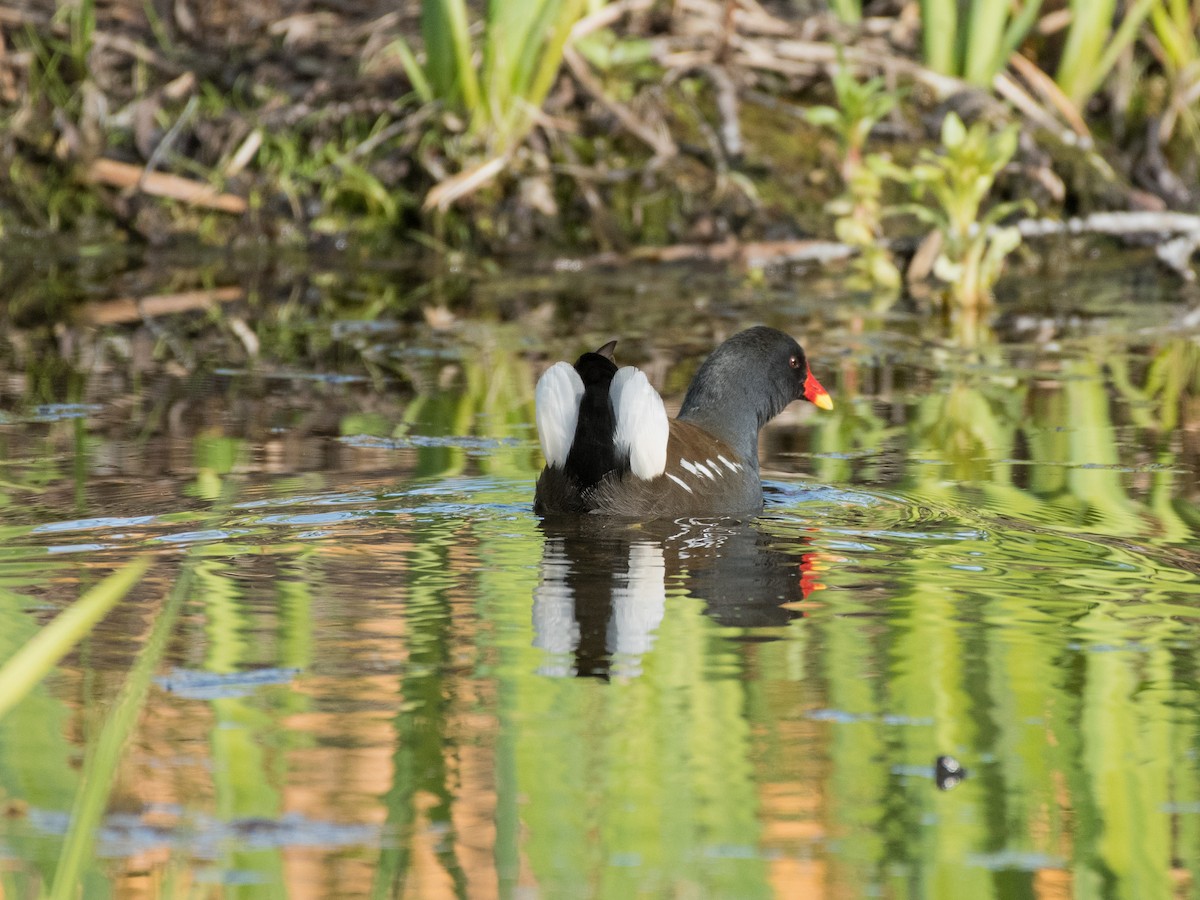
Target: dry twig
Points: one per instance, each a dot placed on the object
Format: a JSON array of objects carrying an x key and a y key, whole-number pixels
[
  {"x": 657, "y": 140},
  {"x": 446, "y": 193},
  {"x": 1180, "y": 232},
  {"x": 125, "y": 310},
  {"x": 159, "y": 184}
]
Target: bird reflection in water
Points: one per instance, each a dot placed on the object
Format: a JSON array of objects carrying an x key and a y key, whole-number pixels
[{"x": 603, "y": 588}]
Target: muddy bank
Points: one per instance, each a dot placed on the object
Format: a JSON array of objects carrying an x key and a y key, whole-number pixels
[{"x": 295, "y": 125}]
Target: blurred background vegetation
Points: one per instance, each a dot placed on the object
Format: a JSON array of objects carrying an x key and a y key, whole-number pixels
[{"x": 563, "y": 126}]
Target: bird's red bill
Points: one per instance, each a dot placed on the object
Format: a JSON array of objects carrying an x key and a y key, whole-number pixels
[{"x": 815, "y": 394}]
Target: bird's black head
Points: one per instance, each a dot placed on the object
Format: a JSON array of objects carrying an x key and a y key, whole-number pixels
[
  {"x": 597, "y": 368},
  {"x": 746, "y": 382},
  {"x": 789, "y": 372}
]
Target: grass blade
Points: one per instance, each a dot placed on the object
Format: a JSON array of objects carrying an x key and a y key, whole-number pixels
[
  {"x": 849, "y": 11},
  {"x": 31, "y": 663},
  {"x": 569, "y": 12},
  {"x": 448, "y": 52},
  {"x": 1090, "y": 25},
  {"x": 939, "y": 30},
  {"x": 1125, "y": 35},
  {"x": 512, "y": 48},
  {"x": 984, "y": 39},
  {"x": 523, "y": 55},
  {"x": 102, "y": 760},
  {"x": 412, "y": 68},
  {"x": 1015, "y": 33}
]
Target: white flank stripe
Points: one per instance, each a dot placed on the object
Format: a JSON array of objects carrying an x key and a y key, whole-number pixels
[
  {"x": 679, "y": 481},
  {"x": 556, "y": 402},
  {"x": 704, "y": 471},
  {"x": 690, "y": 466},
  {"x": 732, "y": 466},
  {"x": 716, "y": 470},
  {"x": 642, "y": 426}
]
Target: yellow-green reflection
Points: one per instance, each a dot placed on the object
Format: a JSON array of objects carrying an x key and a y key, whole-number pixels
[
  {"x": 1011, "y": 581},
  {"x": 1033, "y": 637}
]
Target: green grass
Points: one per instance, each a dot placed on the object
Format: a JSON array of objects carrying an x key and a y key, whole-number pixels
[
  {"x": 849, "y": 11},
  {"x": 974, "y": 40},
  {"x": 1176, "y": 27},
  {"x": 501, "y": 81},
  {"x": 98, "y": 776},
  {"x": 860, "y": 107},
  {"x": 1093, "y": 45}
]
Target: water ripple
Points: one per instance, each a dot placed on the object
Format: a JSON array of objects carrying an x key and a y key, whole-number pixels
[
  {"x": 97, "y": 523},
  {"x": 196, "y": 685}
]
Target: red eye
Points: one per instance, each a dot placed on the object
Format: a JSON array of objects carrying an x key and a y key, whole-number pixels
[{"x": 794, "y": 362}]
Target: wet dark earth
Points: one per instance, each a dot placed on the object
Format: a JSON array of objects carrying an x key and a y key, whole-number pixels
[{"x": 382, "y": 675}]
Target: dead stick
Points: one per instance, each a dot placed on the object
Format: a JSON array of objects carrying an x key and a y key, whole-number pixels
[
  {"x": 1045, "y": 86},
  {"x": 164, "y": 146},
  {"x": 124, "y": 310},
  {"x": 607, "y": 15},
  {"x": 160, "y": 184},
  {"x": 660, "y": 142},
  {"x": 1141, "y": 222},
  {"x": 727, "y": 109}
]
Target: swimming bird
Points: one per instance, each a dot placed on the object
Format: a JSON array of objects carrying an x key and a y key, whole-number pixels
[{"x": 610, "y": 448}]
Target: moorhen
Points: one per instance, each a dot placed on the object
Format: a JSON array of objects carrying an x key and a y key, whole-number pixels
[{"x": 611, "y": 450}]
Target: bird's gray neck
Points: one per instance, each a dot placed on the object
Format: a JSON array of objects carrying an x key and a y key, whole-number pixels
[{"x": 729, "y": 415}]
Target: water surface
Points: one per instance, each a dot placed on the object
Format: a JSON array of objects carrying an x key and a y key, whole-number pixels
[{"x": 387, "y": 677}]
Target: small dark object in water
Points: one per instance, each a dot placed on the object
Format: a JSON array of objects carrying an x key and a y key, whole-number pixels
[
  {"x": 610, "y": 448},
  {"x": 948, "y": 772}
]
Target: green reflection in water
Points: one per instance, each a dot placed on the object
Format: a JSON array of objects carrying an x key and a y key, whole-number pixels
[
  {"x": 424, "y": 740},
  {"x": 490, "y": 397},
  {"x": 248, "y": 766},
  {"x": 1040, "y": 634},
  {"x": 1020, "y": 592},
  {"x": 642, "y": 786}
]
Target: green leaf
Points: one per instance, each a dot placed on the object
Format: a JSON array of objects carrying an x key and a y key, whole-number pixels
[
  {"x": 1004, "y": 210},
  {"x": 947, "y": 269},
  {"x": 882, "y": 165},
  {"x": 104, "y": 754},
  {"x": 448, "y": 52},
  {"x": 953, "y": 131},
  {"x": 921, "y": 213},
  {"x": 1002, "y": 242},
  {"x": 883, "y": 271},
  {"x": 851, "y": 231},
  {"x": 823, "y": 116},
  {"x": 1004, "y": 146},
  {"x": 939, "y": 28}
]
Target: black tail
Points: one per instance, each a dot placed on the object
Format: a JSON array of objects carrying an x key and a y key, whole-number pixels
[{"x": 593, "y": 454}]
